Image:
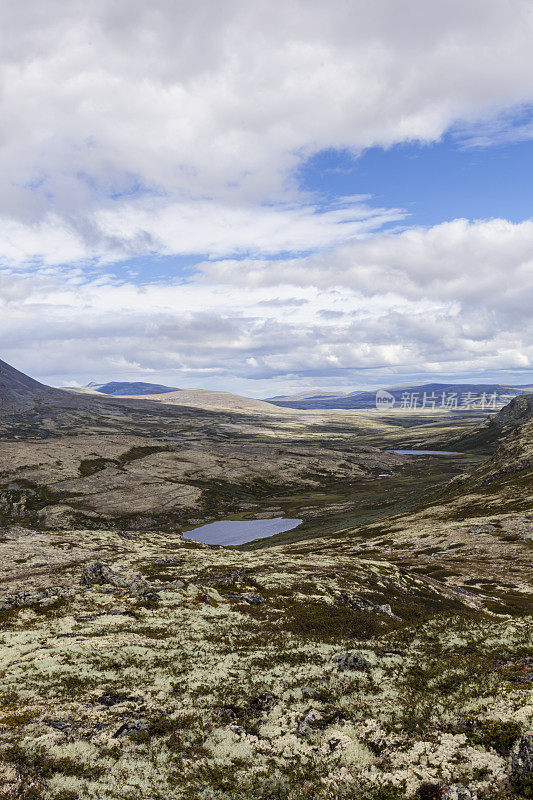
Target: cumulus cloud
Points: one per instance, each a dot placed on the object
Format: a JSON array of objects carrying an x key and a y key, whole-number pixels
[
  {"x": 156, "y": 129},
  {"x": 454, "y": 299},
  {"x": 487, "y": 263},
  {"x": 172, "y": 103}
]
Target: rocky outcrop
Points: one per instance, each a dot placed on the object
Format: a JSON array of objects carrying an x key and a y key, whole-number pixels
[
  {"x": 40, "y": 599},
  {"x": 98, "y": 574},
  {"x": 351, "y": 660},
  {"x": 522, "y": 762},
  {"x": 362, "y": 604}
]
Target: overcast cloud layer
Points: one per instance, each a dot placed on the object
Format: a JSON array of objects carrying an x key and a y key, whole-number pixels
[{"x": 132, "y": 129}]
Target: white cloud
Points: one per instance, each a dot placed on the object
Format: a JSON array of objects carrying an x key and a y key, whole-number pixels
[
  {"x": 133, "y": 128},
  {"x": 219, "y": 101},
  {"x": 202, "y": 227},
  {"x": 218, "y": 229},
  {"x": 488, "y": 263},
  {"x": 453, "y": 299}
]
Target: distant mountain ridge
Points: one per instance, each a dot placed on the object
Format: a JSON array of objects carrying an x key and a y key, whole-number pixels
[
  {"x": 412, "y": 394},
  {"x": 310, "y": 394},
  {"x": 130, "y": 388}
]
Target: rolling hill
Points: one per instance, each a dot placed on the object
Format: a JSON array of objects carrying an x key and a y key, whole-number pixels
[{"x": 216, "y": 401}]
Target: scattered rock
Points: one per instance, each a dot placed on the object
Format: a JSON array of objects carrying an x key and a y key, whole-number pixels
[
  {"x": 522, "y": 760},
  {"x": 386, "y": 609},
  {"x": 133, "y": 726},
  {"x": 42, "y": 598},
  {"x": 253, "y": 599},
  {"x": 308, "y": 693},
  {"x": 233, "y": 578},
  {"x": 239, "y": 730},
  {"x": 230, "y": 712},
  {"x": 304, "y": 726},
  {"x": 362, "y": 604},
  {"x": 247, "y": 597},
  {"x": 477, "y": 530},
  {"x": 148, "y": 597},
  {"x": 139, "y": 586},
  {"x": 177, "y": 584},
  {"x": 209, "y": 600},
  {"x": 59, "y": 725},
  {"x": 120, "y": 612},
  {"x": 351, "y": 660},
  {"x": 112, "y": 699},
  {"x": 459, "y": 792},
  {"x": 264, "y": 701},
  {"x": 97, "y": 574}
]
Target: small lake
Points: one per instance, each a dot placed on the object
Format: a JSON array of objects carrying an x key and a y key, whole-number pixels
[
  {"x": 427, "y": 453},
  {"x": 228, "y": 532}
]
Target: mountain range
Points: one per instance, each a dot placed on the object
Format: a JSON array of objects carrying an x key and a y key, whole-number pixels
[
  {"x": 413, "y": 395},
  {"x": 406, "y": 396}
]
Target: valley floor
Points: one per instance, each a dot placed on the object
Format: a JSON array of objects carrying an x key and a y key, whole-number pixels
[{"x": 382, "y": 651}]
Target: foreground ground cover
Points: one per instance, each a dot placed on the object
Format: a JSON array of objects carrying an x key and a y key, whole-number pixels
[{"x": 194, "y": 672}]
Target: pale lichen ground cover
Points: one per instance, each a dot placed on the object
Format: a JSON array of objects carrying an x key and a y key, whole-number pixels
[{"x": 186, "y": 692}]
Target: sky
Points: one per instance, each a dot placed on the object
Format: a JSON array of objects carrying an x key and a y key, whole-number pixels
[{"x": 266, "y": 197}]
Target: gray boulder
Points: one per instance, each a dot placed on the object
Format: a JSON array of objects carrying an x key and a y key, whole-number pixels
[
  {"x": 133, "y": 726},
  {"x": 459, "y": 792},
  {"x": 248, "y": 597},
  {"x": 351, "y": 660},
  {"x": 308, "y": 693},
  {"x": 138, "y": 586},
  {"x": 305, "y": 726},
  {"x": 264, "y": 701},
  {"x": 522, "y": 759},
  {"x": 97, "y": 574}
]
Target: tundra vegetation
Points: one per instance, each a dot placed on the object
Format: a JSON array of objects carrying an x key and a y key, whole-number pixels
[{"x": 382, "y": 651}]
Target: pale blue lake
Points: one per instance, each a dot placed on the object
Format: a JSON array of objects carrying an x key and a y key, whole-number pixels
[
  {"x": 427, "y": 453},
  {"x": 228, "y": 532}
]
